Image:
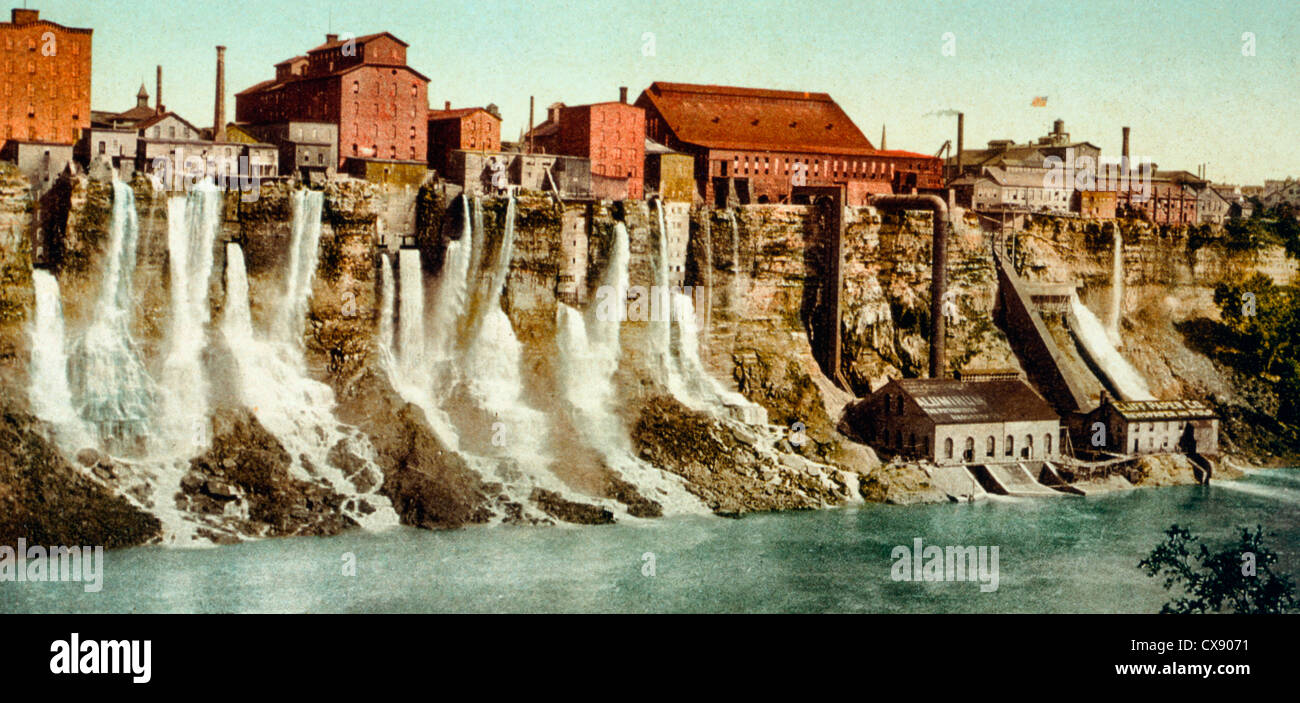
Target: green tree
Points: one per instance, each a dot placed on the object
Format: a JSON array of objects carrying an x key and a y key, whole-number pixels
[
  {"x": 1239, "y": 579},
  {"x": 1263, "y": 315}
]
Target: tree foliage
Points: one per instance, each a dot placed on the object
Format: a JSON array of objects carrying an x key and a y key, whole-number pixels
[{"x": 1238, "y": 579}]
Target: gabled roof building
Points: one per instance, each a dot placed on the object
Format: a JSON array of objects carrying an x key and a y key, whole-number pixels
[{"x": 756, "y": 146}]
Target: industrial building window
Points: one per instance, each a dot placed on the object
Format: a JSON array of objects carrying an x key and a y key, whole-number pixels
[
  {"x": 1047, "y": 444},
  {"x": 1011, "y": 445},
  {"x": 990, "y": 447},
  {"x": 970, "y": 449},
  {"x": 947, "y": 448}
]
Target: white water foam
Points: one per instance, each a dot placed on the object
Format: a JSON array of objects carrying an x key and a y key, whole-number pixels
[
  {"x": 1090, "y": 332},
  {"x": 49, "y": 392},
  {"x": 272, "y": 381}
]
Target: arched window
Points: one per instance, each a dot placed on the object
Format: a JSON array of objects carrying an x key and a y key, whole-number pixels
[
  {"x": 911, "y": 441},
  {"x": 1011, "y": 446},
  {"x": 969, "y": 454},
  {"x": 947, "y": 448},
  {"x": 898, "y": 439},
  {"x": 1028, "y": 451},
  {"x": 990, "y": 446},
  {"x": 1047, "y": 444}
]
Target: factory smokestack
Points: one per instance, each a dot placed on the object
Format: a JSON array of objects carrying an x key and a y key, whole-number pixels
[
  {"x": 622, "y": 94},
  {"x": 961, "y": 141},
  {"x": 219, "y": 111},
  {"x": 1124, "y": 150},
  {"x": 882, "y": 138},
  {"x": 157, "y": 96}
]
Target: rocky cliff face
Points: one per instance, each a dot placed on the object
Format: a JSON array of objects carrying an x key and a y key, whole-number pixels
[
  {"x": 1169, "y": 279},
  {"x": 756, "y": 276}
]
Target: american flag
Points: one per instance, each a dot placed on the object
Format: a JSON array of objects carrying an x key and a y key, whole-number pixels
[{"x": 1040, "y": 101}]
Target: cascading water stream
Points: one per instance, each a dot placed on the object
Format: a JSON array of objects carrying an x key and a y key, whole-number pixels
[
  {"x": 1116, "y": 289},
  {"x": 50, "y": 394},
  {"x": 685, "y": 375},
  {"x": 113, "y": 392},
  {"x": 387, "y": 303},
  {"x": 193, "y": 222},
  {"x": 303, "y": 252},
  {"x": 1126, "y": 381},
  {"x": 589, "y": 353},
  {"x": 272, "y": 380}
]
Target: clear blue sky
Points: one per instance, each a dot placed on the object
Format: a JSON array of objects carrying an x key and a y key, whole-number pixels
[{"x": 1173, "y": 70}]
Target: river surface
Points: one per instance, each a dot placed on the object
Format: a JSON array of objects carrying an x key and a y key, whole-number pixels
[{"x": 1054, "y": 555}]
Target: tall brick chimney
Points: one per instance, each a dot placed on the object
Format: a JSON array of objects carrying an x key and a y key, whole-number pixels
[
  {"x": 219, "y": 112},
  {"x": 622, "y": 94},
  {"x": 157, "y": 98},
  {"x": 961, "y": 140},
  {"x": 1124, "y": 150}
]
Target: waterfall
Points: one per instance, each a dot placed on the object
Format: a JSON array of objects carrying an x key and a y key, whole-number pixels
[
  {"x": 193, "y": 222},
  {"x": 50, "y": 394},
  {"x": 387, "y": 301},
  {"x": 1125, "y": 380},
  {"x": 303, "y": 252},
  {"x": 412, "y": 364},
  {"x": 112, "y": 390},
  {"x": 589, "y": 354},
  {"x": 684, "y": 372},
  {"x": 272, "y": 381},
  {"x": 1116, "y": 288},
  {"x": 452, "y": 296}
]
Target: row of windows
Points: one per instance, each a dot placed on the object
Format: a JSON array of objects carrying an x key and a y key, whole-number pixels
[
  {"x": 32, "y": 44},
  {"x": 990, "y": 447}
]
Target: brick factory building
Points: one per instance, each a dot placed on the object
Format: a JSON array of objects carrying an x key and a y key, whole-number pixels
[
  {"x": 757, "y": 146},
  {"x": 461, "y": 129},
  {"x": 611, "y": 135},
  {"x": 44, "y": 93},
  {"x": 46, "y": 75},
  {"x": 948, "y": 421},
  {"x": 363, "y": 86}
]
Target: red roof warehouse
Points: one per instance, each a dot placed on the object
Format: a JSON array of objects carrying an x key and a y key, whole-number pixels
[
  {"x": 760, "y": 144},
  {"x": 363, "y": 85}
]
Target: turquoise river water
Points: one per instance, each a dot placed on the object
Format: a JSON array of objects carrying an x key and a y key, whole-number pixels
[{"x": 1055, "y": 555}]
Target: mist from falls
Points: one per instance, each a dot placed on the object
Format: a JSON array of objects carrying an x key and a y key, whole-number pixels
[{"x": 1092, "y": 334}]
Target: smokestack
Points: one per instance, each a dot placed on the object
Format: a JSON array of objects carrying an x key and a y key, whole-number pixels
[
  {"x": 531, "y": 100},
  {"x": 1124, "y": 149},
  {"x": 622, "y": 94},
  {"x": 882, "y": 138},
  {"x": 219, "y": 112},
  {"x": 157, "y": 97},
  {"x": 446, "y": 105},
  {"x": 961, "y": 140}
]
